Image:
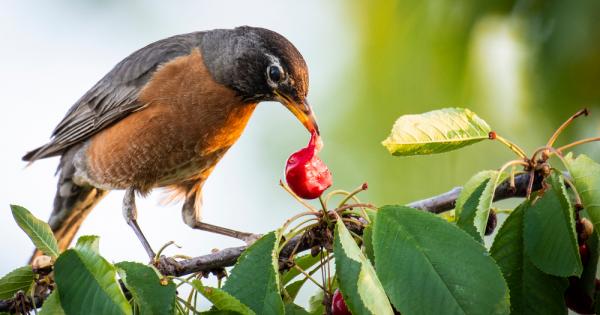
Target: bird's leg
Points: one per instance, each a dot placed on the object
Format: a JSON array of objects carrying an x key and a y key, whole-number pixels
[
  {"x": 130, "y": 214},
  {"x": 191, "y": 216}
]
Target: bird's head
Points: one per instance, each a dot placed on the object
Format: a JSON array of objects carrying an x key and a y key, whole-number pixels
[{"x": 260, "y": 65}]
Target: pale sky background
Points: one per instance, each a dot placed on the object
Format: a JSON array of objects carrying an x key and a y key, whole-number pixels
[{"x": 53, "y": 52}]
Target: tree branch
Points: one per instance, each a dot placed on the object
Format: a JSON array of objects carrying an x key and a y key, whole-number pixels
[
  {"x": 447, "y": 200},
  {"x": 228, "y": 257},
  {"x": 437, "y": 204}
]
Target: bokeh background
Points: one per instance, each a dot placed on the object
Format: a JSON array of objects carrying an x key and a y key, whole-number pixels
[{"x": 524, "y": 66}]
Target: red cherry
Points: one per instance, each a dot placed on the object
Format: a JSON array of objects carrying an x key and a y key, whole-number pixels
[
  {"x": 338, "y": 306},
  {"x": 305, "y": 173},
  {"x": 577, "y": 299},
  {"x": 584, "y": 253}
]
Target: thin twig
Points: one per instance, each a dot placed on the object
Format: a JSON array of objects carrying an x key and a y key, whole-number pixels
[
  {"x": 564, "y": 125},
  {"x": 300, "y": 200},
  {"x": 576, "y": 143}
]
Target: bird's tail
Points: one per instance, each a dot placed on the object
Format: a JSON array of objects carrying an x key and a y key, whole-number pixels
[{"x": 72, "y": 203}]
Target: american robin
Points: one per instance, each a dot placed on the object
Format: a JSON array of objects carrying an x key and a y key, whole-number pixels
[{"x": 164, "y": 117}]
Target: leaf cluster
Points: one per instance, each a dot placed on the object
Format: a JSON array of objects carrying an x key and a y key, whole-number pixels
[{"x": 382, "y": 260}]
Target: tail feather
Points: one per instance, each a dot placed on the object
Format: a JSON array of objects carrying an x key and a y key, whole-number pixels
[{"x": 72, "y": 203}]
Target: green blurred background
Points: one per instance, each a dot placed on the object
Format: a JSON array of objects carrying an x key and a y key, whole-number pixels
[{"x": 523, "y": 66}]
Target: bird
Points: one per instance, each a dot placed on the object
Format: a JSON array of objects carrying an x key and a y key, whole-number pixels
[{"x": 163, "y": 117}]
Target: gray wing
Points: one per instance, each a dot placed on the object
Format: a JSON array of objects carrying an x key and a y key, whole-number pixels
[{"x": 115, "y": 95}]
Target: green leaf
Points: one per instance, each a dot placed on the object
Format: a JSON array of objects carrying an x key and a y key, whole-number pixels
[
  {"x": 586, "y": 178},
  {"x": 222, "y": 300},
  {"x": 260, "y": 259},
  {"x": 89, "y": 242},
  {"x": 485, "y": 202},
  {"x": 52, "y": 305},
  {"x": 358, "y": 282},
  {"x": 87, "y": 284},
  {"x": 430, "y": 266},
  {"x": 469, "y": 201},
  {"x": 19, "y": 279},
  {"x": 315, "y": 304},
  {"x": 368, "y": 243},
  {"x": 436, "y": 131},
  {"x": 304, "y": 262},
  {"x": 531, "y": 290},
  {"x": 550, "y": 237},
  {"x": 144, "y": 284},
  {"x": 37, "y": 230},
  {"x": 293, "y": 309}
]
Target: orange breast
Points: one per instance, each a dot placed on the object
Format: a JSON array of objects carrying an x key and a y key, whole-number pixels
[{"x": 189, "y": 122}]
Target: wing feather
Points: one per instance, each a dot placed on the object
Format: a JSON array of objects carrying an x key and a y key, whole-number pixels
[{"x": 115, "y": 95}]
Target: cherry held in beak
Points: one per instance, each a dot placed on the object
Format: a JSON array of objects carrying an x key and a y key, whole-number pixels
[{"x": 305, "y": 173}]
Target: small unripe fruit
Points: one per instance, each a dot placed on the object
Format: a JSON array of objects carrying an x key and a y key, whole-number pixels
[
  {"x": 338, "y": 305},
  {"x": 587, "y": 228},
  {"x": 305, "y": 172}
]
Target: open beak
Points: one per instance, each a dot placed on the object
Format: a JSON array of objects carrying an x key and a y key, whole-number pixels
[{"x": 302, "y": 111}]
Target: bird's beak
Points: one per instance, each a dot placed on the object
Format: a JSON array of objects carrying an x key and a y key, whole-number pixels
[{"x": 302, "y": 111}]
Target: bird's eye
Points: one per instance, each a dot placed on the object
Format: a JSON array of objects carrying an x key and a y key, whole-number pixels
[{"x": 275, "y": 73}]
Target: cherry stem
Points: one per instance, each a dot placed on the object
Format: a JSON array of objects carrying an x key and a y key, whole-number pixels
[
  {"x": 576, "y": 143},
  {"x": 297, "y": 244},
  {"x": 335, "y": 192},
  {"x": 191, "y": 296},
  {"x": 345, "y": 193},
  {"x": 511, "y": 163},
  {"x": 504, "y": 211},
  {"x": 538, "y": 151},
  {"x": 565, "y": 125},
  {"x": 512, "y": 146},
  {"x": 512, "y": 177},
  {"x": 570, "y": 183},
  {"x": 163, "y": 248},
  {"x": 530, "y": 183},
  {"x": 354, "y": 205},
  {"x": 323, "y": 204},
  {"x": 184, "y": 280},
  {"x": 512, "y": 173},
  {"x": 360, "y": 188},
  {"x": 352, "y": 221},
  {"x": 329, "y": 283},
  {"x": 308, "y": 276},
  {"x": 304, "y": 203},
  {"x": 558, "y": 154},
  {"x": 187, "y": 305},
  {"x": 299, "y": 225},
  {"x": 295, "y": 217}
]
